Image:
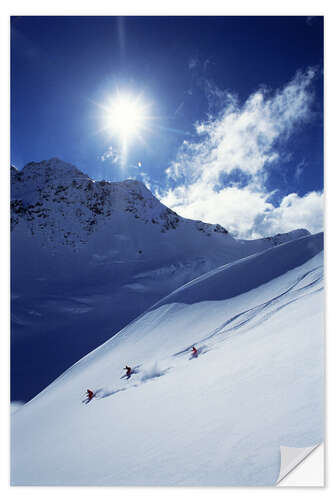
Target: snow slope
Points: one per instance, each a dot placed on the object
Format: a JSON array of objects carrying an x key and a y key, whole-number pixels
[
  {"x": 218, "y": 419},
  {"x": 88, "y": 257}
]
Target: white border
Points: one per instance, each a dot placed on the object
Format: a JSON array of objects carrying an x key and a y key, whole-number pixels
[{"x": 138, "y": 7}]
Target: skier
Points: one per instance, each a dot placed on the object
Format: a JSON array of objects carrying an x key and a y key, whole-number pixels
[
  {"x": 128, "y": 371},
  {"x": 89, "y": 396},
  {"x": 194, "y": 352}
]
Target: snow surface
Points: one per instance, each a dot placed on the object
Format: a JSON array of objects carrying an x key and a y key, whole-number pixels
[
  {"x": 88, "y": 257},
  {"x": 218, "y": 419}
]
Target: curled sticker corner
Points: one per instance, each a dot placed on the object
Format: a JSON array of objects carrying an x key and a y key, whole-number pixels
[{"x": 291, "y": 457}]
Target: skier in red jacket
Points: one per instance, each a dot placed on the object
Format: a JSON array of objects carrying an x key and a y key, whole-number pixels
[
  {"x": 194, "y": 352},
  {"x": 128, "y": 371},
  {"x": 89, "y": 396}
]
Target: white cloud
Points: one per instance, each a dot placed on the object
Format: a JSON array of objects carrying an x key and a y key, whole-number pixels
[
  {"x": 111, "y": 155},
  {"x": 294, "y": 212},
  {"x": 247, "y": 213},
  {"x": 244, "y": 138},
  {"x": 237, "y": 207}
]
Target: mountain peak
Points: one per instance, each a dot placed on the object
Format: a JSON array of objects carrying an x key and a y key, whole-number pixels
[
  {"x": 62, "y": 204},
  {"x": 51, "y": 169}
]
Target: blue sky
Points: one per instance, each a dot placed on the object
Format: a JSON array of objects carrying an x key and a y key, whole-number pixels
[{"x": 234, "y": 132}]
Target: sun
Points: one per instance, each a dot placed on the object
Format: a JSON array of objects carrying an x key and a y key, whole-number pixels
[
  {"x": 126, "y": 116},
  {"x": 127, "y": 119}
]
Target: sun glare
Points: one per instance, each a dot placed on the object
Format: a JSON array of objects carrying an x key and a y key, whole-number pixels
[{"x": 126, "y": 116}]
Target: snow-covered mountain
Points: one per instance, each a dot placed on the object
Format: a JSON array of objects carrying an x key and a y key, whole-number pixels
[
  {"x": 63, "y": 206},
  {"x": 88, "y": 257},
  {"x": 216, "y": 419}
]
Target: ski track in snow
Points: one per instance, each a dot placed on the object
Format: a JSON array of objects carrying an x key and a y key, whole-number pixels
[
  {"x": 240, "y": 323},
  {"x": 271, "y": 306}
]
